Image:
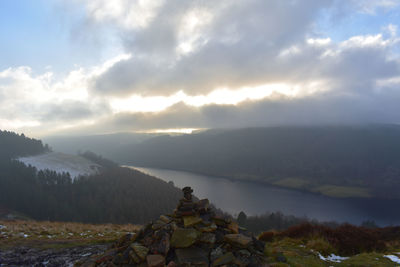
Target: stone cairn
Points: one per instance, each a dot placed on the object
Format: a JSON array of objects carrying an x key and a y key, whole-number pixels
[{"x": 193, "y": 236}]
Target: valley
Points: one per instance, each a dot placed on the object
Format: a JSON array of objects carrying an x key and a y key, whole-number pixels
[
  {"x": 301, "y": 221},
  {"x": 254, "y": 198},
  {"x": 358, "y": 161}
]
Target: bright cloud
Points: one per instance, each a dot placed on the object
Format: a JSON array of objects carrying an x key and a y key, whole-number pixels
[
  {"x": 370, "y": 6},
  {"x": 126, "y": 13},
  {"x": 30, "y": 100}
]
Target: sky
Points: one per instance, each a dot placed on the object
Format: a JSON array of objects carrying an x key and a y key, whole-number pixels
[{"x": 82, "y": 67}]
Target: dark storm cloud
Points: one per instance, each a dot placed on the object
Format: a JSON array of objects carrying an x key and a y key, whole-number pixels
[{"x": 322, "y": 108}]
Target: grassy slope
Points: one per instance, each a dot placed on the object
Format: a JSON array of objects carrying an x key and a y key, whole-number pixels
[
  {"x": 305, "y": 254},
  {"x": 59, "y": 234}
]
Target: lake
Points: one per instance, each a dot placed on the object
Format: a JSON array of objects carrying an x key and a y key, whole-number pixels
[{"x": 254, "y": 198}]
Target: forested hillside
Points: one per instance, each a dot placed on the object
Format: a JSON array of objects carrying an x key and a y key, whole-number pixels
[
  {"x": 361, "y": 159},
  {"x": 116, "y": 195},
  {"x": 14, "y": 145}
]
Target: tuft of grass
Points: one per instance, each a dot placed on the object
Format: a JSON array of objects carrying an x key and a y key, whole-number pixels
[
  {"x": 295, "y": 253},
  {"x": 321, "y": 245},
  {"x": 346, "y": 239}
]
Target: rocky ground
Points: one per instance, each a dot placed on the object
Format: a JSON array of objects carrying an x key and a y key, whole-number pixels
[
  {"x": 33, "y": 243},
  {"x": 29, "y": 256}
]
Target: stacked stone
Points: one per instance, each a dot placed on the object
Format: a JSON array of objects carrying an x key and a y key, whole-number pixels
[
  {"x": 186, "y": 206},
  {"x": 193, "y": 236}
]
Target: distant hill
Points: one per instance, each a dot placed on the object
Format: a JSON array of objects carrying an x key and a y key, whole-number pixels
[
  {"x": 114, "y": 195},
  {"x": 339, "y": 161},
  {"x": 105, "y": 144}
]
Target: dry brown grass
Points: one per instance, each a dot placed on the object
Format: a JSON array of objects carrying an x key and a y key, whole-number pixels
[
  {"x": 11, "y": 231},
  {"x": 348, "y": 239}
]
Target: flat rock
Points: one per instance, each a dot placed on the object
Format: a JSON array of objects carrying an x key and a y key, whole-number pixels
[
  {"x": 211, "y": 228},
  {"x": 141, "y": 251},
  {"x": 184, "y": 237},
  {"x": 192, "y": 255},
  {"x": 203, "y": 205},
  {"x": 224, "y": 259},
  {"x": 162, "y": 246},
  {"x": 155, "y": 261},
  {"x": 234, "y": 227},
  {"x": 208, "y": 238},
  {"x": 191, "y": 220},
  {"x": 165, "y": 219},
  {"x": 172, "y": 264},
  {"x": 216, "y": 253},
  {"x": 220, "y": 221},
  {"x": 238, "y": 240}
]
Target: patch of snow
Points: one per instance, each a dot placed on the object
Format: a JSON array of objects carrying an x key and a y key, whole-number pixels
[
  {"x": 60, "y": 162},
  {"x": 86, "y": 254},
  {"x": 2, "y": 227},
  {"x": 70, "y": 233},
  {"x": 332, "y": 258},
  {"x": 393, "y": 258},
  {"x": 23, "y": 235}
]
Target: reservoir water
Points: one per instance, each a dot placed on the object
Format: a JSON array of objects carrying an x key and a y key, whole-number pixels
[{"x": 254, "y": 198}]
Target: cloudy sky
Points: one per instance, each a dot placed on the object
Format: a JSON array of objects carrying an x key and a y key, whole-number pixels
[{"x": 103, "y": 66}]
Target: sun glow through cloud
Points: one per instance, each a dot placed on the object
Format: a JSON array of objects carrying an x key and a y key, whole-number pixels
[
  {"x": 222, "y": 96},
  {"x": 174, "y": 130}
]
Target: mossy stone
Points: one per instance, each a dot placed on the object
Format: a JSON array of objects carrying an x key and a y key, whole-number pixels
[
  {"x": 184, "y": 237},
  {"x": 191, "y": 220}
]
